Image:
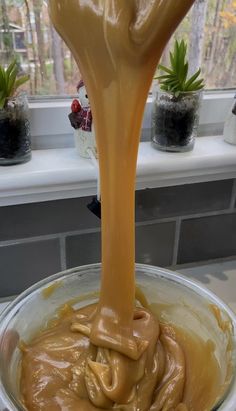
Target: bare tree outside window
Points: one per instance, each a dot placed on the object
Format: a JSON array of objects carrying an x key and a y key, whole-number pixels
[
  {"x": 197, "y": 34},
  {"x": 27, "y": 34}
]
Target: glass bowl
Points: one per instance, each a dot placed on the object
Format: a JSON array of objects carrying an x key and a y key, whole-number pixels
[{"x": 178, "y": 297}]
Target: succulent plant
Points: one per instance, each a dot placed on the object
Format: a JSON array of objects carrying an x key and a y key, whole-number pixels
[
  {"x": 10, "y": 82},
  {"x": 175, "y": 79}
]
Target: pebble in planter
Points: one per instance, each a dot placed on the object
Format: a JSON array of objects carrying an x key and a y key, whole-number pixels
[
  {"x": 176, "y": 104},
  {"x": 15, "y": 146}
]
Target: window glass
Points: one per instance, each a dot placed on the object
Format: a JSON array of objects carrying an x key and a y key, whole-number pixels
[
  {"x": 19, "y": 38},
  {"x": 26, "y": 32}
]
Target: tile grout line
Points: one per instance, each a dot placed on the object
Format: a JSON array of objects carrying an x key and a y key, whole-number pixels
[
  {"x": 176, "y": 241},
  {"x": 200, "y": 263},
  {"x": 156, "y": 221},
  {"x": 29, "y": 240},
  {"x": 47, "y": 237},
  {"x": 209, "y": 214},
  {"x": 160, "y": 220},
  {"x": 62, "y": 240},
  {"x": 186, "y": 217},
  {"x": 82, "y": 231},
  {"x": 233, "y": 196}
]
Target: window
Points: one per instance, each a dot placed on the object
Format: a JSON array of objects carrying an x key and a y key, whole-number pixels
[
  {"x": 19, "y": 40},
  {"x": 210, "y": 29},
  {"x": 5, "y": 39},
  {"x": 25, "y": 30}
]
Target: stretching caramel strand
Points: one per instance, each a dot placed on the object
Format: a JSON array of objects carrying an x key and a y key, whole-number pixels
[
  {"x": 117, "y": 45},
  {"x": 121, "y": 358}
]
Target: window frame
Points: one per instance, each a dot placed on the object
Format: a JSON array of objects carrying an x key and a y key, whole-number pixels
[{"x": 50, "y": 127}]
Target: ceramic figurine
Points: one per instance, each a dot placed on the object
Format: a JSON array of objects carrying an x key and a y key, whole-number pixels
[{"x": 82, "y": 121}]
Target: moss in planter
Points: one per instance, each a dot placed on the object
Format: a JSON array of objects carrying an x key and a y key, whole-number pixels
[
  {"x": 175, "y": 120},
  {"x": 15, "y": 145}
]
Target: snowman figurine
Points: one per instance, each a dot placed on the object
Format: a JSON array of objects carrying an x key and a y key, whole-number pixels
[{"x": 82, "y": 121}]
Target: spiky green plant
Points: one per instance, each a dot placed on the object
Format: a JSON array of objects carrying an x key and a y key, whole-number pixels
[
  {"x": 175, "y": 79},
  {"x": 10, "y": 82}
]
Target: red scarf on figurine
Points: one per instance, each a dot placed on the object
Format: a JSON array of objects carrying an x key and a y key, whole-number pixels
[{"x": 85, "y": 115}]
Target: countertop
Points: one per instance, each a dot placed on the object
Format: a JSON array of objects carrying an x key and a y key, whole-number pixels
[{"x": 218, "y": 277}]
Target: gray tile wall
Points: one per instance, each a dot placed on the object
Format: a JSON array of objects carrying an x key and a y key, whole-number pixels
[
  {"x": 22, "y": 264},
  {"x": 174, "y": 225}
]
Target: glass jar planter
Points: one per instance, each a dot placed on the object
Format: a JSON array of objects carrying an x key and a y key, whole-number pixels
[
  {"x": 181, "y": 300},
  {"x": 15, "y": 144},
  {"x": 175, "y": 120}
]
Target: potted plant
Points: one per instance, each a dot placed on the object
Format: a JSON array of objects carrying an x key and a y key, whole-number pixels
[
  {"x": 15, "y": 146},
  {"x": 176, "y": 104}
]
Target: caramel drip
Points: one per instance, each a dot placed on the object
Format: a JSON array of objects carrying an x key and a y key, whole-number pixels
[
  {"x": 117, "y": 45},
  {"x": 113, "y": 355}
]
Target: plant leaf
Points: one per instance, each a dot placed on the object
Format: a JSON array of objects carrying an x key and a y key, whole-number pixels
[
  {"x": 11, "y": 67},
  {"x": 2, "y": 99},
  {"x": 192, "y": 79},
  {"x": 172, "y": 60},
  {"x": 11, "y": 82},
  {"x": 176, "y": 55},
  {"x": 163, "y": 68},
  {"x": 175, "y": 77},
  {"x": 20, "y": 81},
  {"x": 165, "y": 77},
  {"x": 196, "y": 86},
  {"x": 3, "y": 82}
]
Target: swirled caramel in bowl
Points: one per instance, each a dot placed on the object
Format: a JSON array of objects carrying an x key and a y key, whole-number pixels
[
  {"x": 115, "y": 355},
  {"x": 63, "y": 370}
]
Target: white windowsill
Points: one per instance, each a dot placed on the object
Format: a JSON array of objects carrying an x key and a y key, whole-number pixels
[{"x": 61, "y": 173}]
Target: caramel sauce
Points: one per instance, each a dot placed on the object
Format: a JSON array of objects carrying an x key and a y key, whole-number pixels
[
  {"x": 116, "y": 354},
  {"x": 48, "y": 291},
  {"x": 63, "y": 370}
]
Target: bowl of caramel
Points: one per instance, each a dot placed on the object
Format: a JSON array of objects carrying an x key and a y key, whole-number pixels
[{"x": 48, "y": 362}]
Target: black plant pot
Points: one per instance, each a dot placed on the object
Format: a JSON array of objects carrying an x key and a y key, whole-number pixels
[
  {"x": 15, "y": 142},
  {"x": 175, "y": 121}
]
